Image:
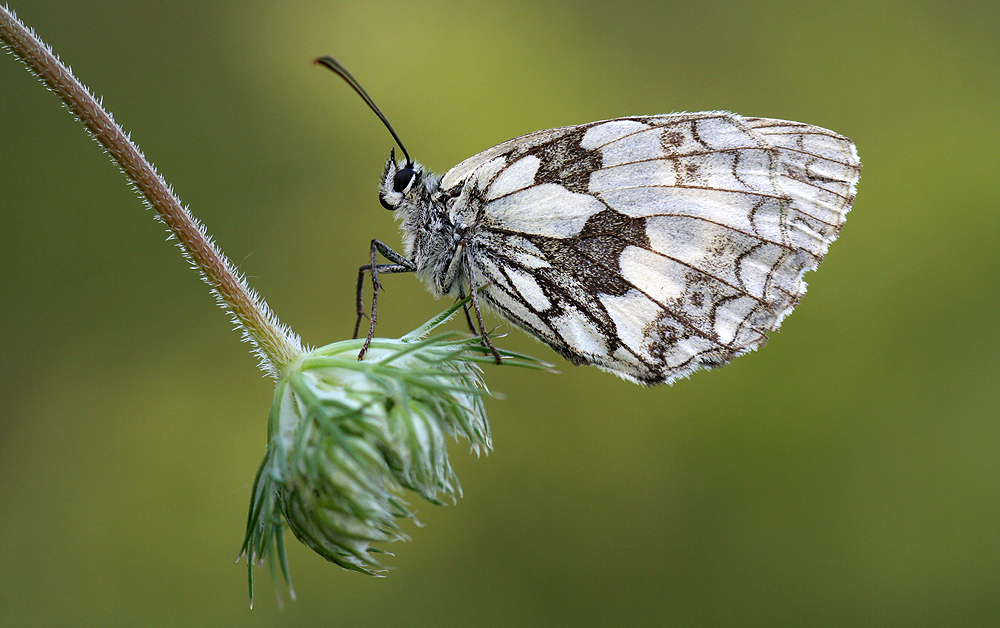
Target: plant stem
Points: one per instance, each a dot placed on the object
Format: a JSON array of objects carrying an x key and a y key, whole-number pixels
[{"x": 275, "y": 344}]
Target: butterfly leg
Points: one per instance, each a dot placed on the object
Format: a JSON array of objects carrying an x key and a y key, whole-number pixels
[
  {"x": 465, "y": 310},
  {"x": 400, "y": 265},
  {"x": 473, "y": 292}
]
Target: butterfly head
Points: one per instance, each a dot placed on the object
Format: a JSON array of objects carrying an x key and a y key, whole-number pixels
[{"x": 399, "y": 180}]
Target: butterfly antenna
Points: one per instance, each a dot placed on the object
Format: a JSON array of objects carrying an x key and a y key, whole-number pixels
[{"x": 341, "y": 71}]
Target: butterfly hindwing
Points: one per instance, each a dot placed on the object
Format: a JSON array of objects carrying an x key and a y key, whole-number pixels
[{"x": 652, "y": 246}]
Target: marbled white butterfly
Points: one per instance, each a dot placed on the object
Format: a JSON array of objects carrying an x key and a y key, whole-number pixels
[{"x": 648, "y": 246}]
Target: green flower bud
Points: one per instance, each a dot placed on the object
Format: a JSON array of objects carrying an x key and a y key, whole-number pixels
[{"x": 346, "y": 437}]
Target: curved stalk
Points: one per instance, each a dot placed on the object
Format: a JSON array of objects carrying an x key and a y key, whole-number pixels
[{"x": 275, "y": 345}]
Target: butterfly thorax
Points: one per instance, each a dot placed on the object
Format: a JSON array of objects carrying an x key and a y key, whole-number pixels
[{"x": 431, "y": 240}]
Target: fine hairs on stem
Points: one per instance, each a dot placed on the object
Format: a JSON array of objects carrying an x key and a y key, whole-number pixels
[{"x": 274, "y": 344}]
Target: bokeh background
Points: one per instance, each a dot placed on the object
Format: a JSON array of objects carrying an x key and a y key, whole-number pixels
[{"x": 847, "y": 475}]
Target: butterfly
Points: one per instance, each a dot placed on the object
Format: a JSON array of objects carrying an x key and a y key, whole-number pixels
[{"x": 648, "y": 246}]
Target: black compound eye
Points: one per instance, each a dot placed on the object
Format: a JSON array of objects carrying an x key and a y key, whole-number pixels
[{"x": 402, "y": 179}]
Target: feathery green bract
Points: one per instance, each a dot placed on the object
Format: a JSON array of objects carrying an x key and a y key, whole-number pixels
[{"x": 346, "y": 436}]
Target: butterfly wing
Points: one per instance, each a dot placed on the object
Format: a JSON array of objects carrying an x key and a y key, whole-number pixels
[{"x": 653, "y": 246}]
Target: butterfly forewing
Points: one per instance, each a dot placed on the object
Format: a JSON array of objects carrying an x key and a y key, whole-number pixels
[{"x": 652, "y": 246}]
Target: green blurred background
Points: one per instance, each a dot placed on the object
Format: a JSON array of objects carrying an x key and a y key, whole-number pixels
[{"x": 847, "y": 475}]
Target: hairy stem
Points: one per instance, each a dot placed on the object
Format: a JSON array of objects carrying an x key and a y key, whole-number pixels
[{"x": 275, "y": 345}]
